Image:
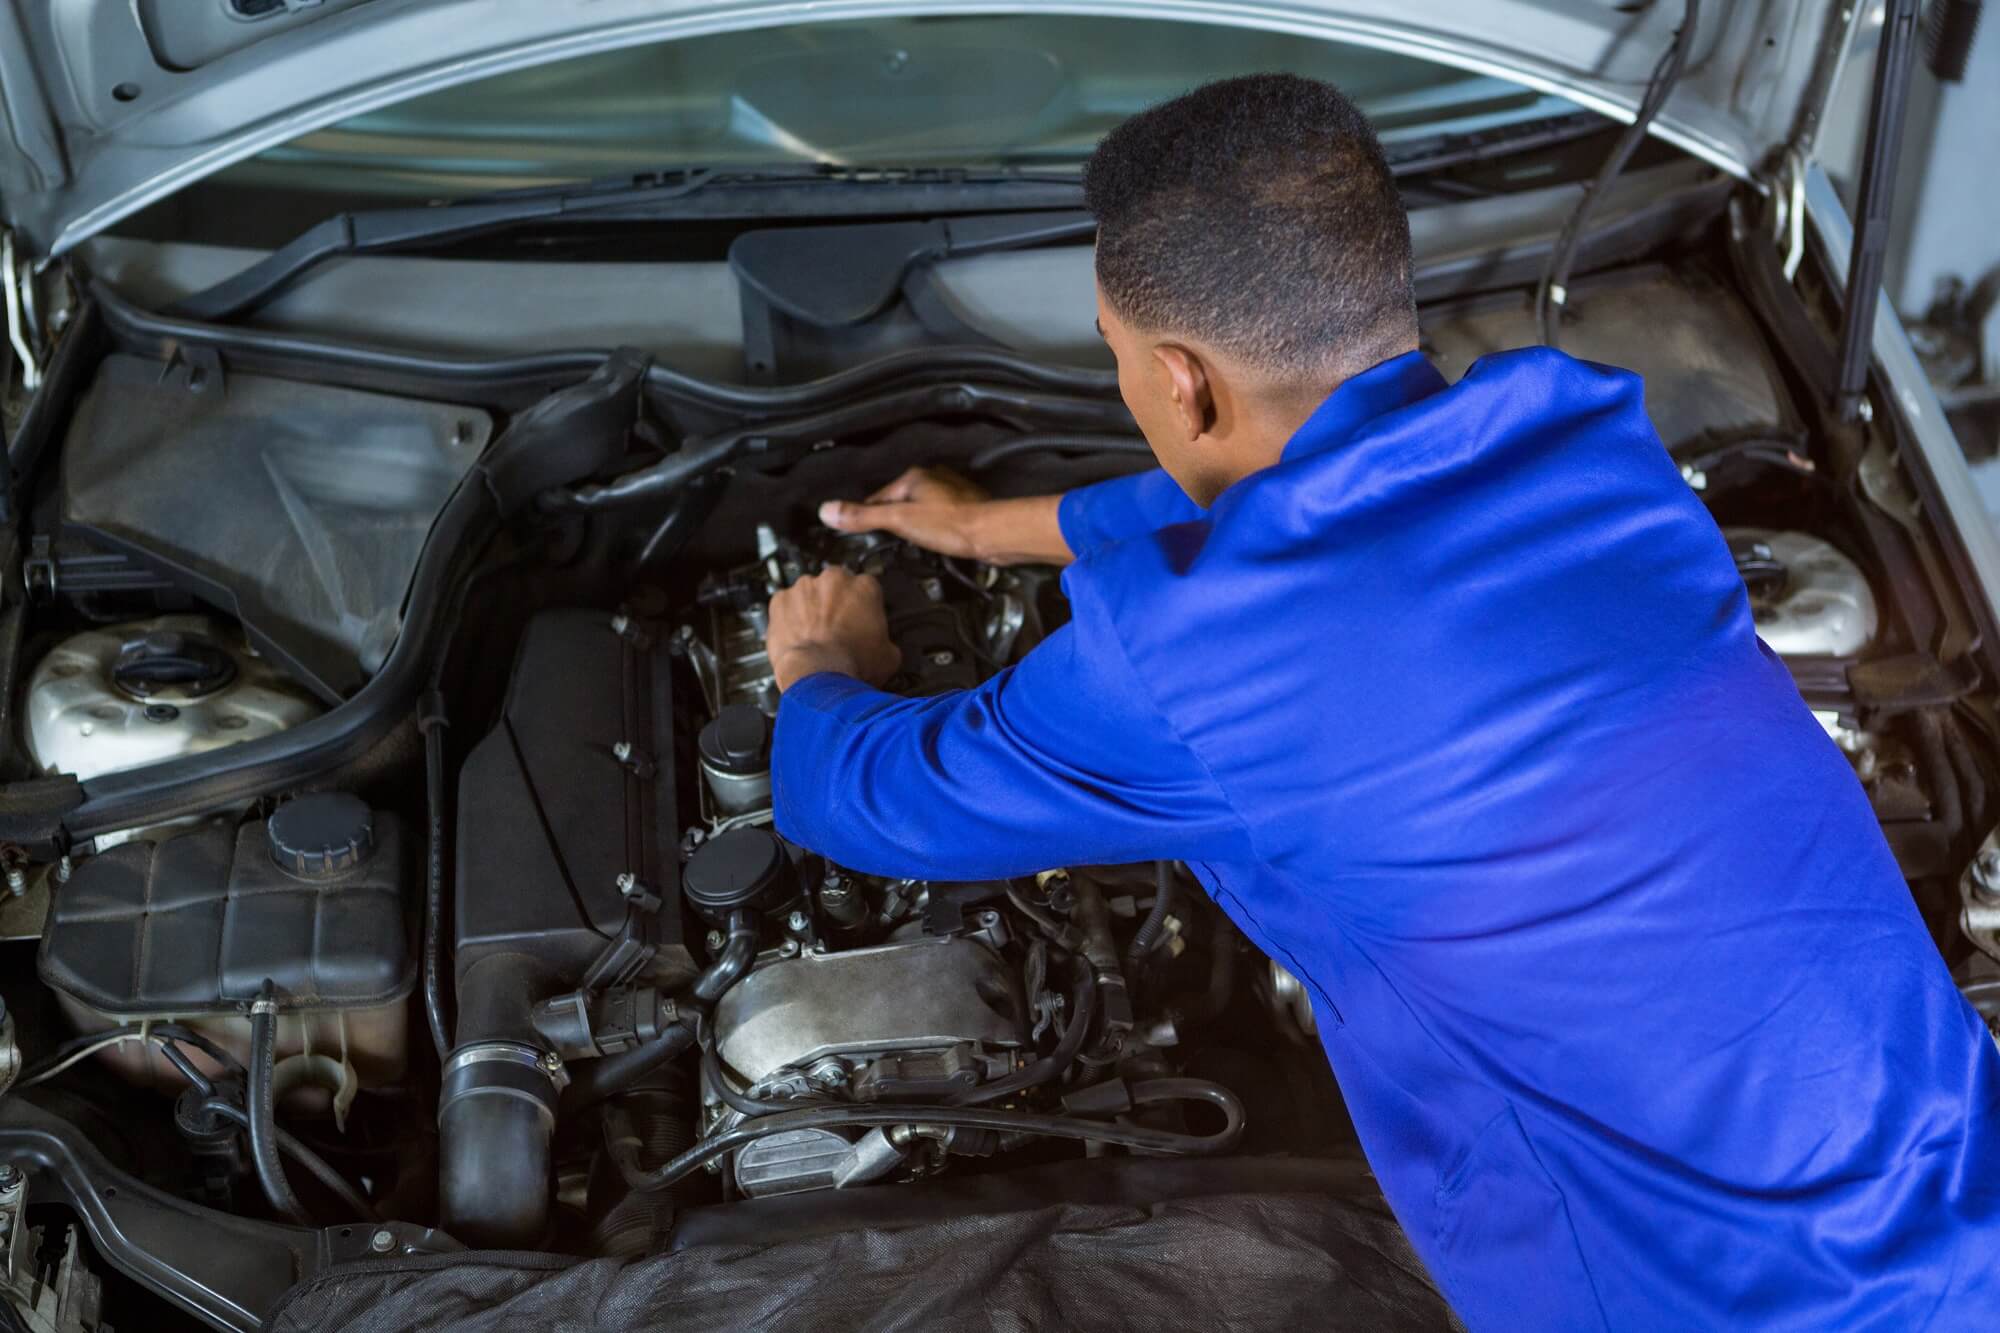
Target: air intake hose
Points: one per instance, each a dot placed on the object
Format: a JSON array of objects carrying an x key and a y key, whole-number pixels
[{"x": 502, "y": 1091}]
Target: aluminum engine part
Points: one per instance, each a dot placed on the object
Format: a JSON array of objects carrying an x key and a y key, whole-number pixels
[
  {"x": 1809, "y": 600},
  {"x": 1291, "y": 1002},
  {"x": 953, "y": 626},
  {"x": 814, "y": 1159},
  {"x": 928, "y": 996},
  {"x": 129, "y": 695}
]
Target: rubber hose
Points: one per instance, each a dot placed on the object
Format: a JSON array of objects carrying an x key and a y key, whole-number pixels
[
  {"x": 1155, "y": 923},
  {"x": 1083, "y": 1012},
  {"x": 1550, "y": 295},
  {"x": 318, "y": 1166},
  {"x": 1151, "y": 1093},
  {"x": 1074, "y": 443},
  {"x": 179, "y": 1060},
  {"x": 742, "y": 1104},
  {"x": 263, "y": 1111},
  {"x": 1947, "y": 809},
  {"x": 738, "y": 953},
  {"x": 700, "y": 455},
  {"x": 597, "y": 1079}
]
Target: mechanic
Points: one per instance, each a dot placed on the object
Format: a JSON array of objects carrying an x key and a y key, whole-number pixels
[{"x": 1450, "y": 695}]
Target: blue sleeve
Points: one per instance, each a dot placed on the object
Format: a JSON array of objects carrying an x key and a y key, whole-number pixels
[
  {"x": 1122, "y": 508},
  {"x": 1059, "y": 760}
]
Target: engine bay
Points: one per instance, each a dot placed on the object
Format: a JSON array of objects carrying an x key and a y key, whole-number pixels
[{"x": 399, "y": 864}]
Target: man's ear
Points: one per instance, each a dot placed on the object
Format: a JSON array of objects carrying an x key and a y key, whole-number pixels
[{"x": 1188, "y": 388}]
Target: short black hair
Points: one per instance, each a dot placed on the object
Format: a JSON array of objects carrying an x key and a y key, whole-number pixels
[{"x": 1258, "y": 215}]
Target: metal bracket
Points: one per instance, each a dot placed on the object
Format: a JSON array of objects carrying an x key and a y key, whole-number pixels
[
  {"x": 1788, "y": 211},
  {"x": 38, "y": 571},
  {"x": 627, "y": 954},
  {"x": 22, "y": 333}
]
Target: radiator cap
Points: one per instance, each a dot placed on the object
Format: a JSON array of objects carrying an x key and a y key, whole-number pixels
[{"x": 321, "y": 835}]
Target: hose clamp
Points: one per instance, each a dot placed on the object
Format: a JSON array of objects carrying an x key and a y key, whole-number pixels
[{"x": 503, "y": 1069}]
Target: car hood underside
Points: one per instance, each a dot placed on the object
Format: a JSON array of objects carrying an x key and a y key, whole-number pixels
[{"x": 103, "y": 111}]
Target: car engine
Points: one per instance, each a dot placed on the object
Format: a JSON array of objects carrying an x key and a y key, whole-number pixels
[{"x": 392, "y": 868}]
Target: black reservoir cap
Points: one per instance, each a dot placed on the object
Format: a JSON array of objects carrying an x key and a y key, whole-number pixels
[
  {"x": 744, "y": 867},
  {"x": 738, "y": 741},
  {"x": 321, "y": 835}
]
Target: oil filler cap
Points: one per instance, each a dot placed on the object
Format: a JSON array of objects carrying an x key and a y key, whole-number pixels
[
  {"x": 737, "y": 741},
  {"x": 321, "y": 835},
  {"x": 744, "y": 867}
]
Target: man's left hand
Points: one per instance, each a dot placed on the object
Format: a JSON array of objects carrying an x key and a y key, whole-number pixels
[{"x": 832, "y": 621}]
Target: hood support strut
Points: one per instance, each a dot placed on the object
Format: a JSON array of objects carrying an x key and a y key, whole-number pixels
[{"x": 1893, "y": 62}]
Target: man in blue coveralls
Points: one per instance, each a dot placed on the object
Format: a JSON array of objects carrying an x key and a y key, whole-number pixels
[{"x": 1450, "y": 695}]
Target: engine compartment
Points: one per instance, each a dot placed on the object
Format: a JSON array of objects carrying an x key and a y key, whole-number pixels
[{"x": 457, "y": 857}]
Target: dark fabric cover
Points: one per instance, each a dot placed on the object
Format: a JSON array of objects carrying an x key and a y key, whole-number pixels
[{"x": 1228, "y": 1262}]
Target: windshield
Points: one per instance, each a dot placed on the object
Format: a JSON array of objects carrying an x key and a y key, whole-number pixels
[{"x": 977, "y": 90}]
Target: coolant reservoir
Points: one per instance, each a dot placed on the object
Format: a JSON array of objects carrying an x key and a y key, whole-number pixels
[
  {"x": 1808, "y": 599},
  {"x": 142, "y": 693}
]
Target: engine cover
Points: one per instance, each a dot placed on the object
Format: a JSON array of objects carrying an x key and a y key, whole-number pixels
[
  {"x": 571, "y": 792},
  {"x": 930, "y": 1015}
]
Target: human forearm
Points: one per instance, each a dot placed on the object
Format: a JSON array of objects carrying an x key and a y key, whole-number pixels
[
  {"x": 1018, "y": 532},
  {"x": 943, "y": 512}
]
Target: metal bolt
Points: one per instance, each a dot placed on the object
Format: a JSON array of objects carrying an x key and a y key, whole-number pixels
[
  {"x": 17, "y": 880},
  {"x": 715, "y": 941},
  {"x": 620, "y": 623},
  {"x": 943, "y": 657},
  {"x": 797, "y": 923},
  {"x": 382, "y": 1241},
  {"x": 628, "y": 884},
  {"x": 790, "y": 948},
  {"x": 622, "y": 751},
  {"x": 63, "y": 869},
  {"x": 552, "y": 1062},
  {"x": 10, "y": 1178},
  {"x": 829, "y": 1073}
]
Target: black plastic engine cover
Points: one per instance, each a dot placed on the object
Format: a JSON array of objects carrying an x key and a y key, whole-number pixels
[
  {"x": 193, "y": 923},
  {"x": 550, "y": 815}
]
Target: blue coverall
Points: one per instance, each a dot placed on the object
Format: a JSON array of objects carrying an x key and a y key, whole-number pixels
[{"x": 1458, "y": 711}]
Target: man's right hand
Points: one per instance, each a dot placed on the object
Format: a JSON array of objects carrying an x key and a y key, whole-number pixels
[{"x": 942, "y": 511}]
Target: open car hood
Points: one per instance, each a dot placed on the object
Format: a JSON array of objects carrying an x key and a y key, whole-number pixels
[{"x": 107, "y": 106}]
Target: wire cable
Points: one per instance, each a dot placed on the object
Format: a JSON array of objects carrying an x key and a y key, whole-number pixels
[
  {"x": 1553, "y": 292},
  {"x": 75, "y": 1053}
]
